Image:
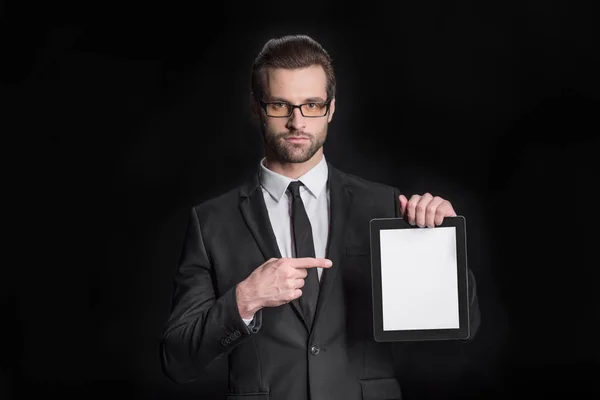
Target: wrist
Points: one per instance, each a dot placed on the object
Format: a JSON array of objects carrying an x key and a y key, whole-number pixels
[{"x": 246, "y": 306}]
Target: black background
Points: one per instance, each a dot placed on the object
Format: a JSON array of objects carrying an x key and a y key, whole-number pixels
[{"x": 119, "y": 116}]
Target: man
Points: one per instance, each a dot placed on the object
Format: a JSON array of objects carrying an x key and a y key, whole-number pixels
[{"x": 276, "y": 274}]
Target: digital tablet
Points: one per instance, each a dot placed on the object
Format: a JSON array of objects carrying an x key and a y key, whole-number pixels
[{"x": 419, "y": 280}]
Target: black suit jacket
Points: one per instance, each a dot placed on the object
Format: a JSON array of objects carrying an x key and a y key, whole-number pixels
[{"x": 280, "y": 358}]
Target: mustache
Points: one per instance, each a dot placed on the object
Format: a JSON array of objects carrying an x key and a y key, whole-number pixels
[{"x": 286, "y": 135}]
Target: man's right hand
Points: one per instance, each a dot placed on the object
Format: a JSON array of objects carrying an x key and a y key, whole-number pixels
[{"x": 278, "y": 281}]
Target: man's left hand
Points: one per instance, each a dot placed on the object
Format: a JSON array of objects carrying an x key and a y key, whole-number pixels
[{"x": 425, "y": 210}]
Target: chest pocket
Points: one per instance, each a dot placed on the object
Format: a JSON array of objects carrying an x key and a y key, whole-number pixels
[
  {"x": 358, "y": 251},
  {"x": 357, "y": 263}
]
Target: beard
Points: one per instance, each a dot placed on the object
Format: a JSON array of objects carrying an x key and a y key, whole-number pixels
[{"x": 294, "y": 152}]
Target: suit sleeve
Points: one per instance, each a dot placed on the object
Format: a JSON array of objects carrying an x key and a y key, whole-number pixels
[
  {"x": 474, "y": 314},
  {"x": 201, "y": 327}
]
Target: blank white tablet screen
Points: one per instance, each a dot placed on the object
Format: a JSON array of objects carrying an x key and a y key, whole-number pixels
[{"x": 419, "y": 278}]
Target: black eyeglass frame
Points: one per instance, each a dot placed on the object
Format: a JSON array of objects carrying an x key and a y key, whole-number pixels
[{"x": 264, "y": 104}]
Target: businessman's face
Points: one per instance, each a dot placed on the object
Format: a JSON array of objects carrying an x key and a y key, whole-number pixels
[{"x": 297, "y": 138}]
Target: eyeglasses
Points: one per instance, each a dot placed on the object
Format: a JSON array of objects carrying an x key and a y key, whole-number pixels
[{"x": 280, "y": 109}]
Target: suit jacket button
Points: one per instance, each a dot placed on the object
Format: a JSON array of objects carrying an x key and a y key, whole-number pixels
[
  {"x": 314, "y": 349},
  {"x": 223, "y": 342}
]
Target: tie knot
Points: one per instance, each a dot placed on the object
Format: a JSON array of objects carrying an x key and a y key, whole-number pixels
[{"x": 294, "y": 188}]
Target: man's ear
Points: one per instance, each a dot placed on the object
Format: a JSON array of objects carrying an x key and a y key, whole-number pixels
[
  {"x": 255, "y": 109},
  {"x": 331, "y": 110}
]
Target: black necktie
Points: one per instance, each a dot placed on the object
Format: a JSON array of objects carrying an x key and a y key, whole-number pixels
[{"x": 304, "y": 245}]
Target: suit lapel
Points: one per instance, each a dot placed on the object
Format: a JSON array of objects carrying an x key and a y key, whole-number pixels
[
  {"x": 254, "y": 210},
  {"x": 255, "y": 213},
  {"x": 340, "y": 205}
]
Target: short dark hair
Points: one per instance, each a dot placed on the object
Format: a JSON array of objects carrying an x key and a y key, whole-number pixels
[{"x": 290, "y": 52}]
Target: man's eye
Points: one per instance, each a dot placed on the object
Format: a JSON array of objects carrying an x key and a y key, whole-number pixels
[{"x": 279, "y": 105}]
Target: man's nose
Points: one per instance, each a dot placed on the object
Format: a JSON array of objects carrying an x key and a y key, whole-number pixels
[{"x": 297, "y": 120}]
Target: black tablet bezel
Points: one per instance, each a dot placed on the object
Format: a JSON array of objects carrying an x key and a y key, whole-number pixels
[{"x": 380, "y": 335}]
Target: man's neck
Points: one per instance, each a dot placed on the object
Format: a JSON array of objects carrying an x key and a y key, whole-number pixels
[{"x": 293, "y": 170}]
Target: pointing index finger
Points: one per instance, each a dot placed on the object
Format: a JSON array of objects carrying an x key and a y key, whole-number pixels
[{"x": 308, "y": 262}]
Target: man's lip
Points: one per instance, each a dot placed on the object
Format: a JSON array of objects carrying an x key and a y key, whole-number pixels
[{"x": 297, "y": 138}]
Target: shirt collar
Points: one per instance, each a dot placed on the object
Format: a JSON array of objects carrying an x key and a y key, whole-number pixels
[{"x": 276, "y": 185}]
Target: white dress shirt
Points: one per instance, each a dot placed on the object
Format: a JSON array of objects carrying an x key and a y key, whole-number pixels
[{"x": 315, "y": 196}]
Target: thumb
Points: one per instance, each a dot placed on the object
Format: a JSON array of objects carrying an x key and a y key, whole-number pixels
[{"x": 403, "y": 203}]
